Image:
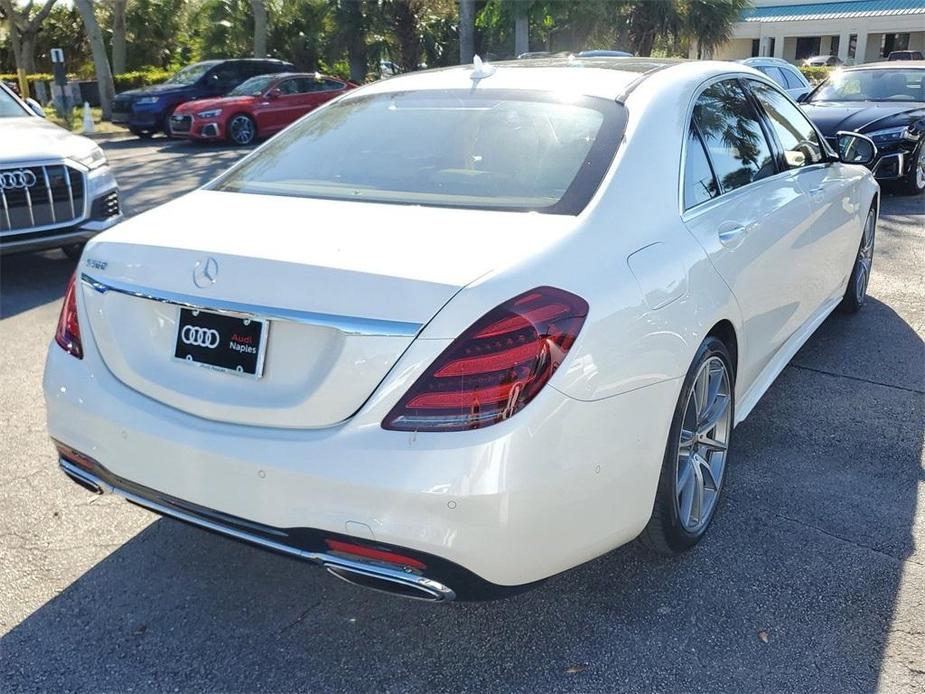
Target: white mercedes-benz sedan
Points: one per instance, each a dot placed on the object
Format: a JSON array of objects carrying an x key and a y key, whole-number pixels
[{"x": 462, "y": 330}]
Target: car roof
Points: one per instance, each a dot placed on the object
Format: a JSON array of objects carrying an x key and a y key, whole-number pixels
[
  {"x": 249, "y": 60},
  {"x": 760, "y": 60},
  {"x": 612, "y": 78},
  {"x": 287, "y": 75}
]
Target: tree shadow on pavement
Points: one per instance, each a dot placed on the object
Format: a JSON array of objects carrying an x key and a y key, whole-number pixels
[
  {"x": 28, "y": 280},
  {"x": 795, "y": 588}
]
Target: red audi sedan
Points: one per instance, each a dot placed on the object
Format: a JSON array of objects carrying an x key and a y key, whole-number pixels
[{"x": 258, "y": 107}]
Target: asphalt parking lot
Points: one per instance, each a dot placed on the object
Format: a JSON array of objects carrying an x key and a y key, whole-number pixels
[{"x": 811, "y": 580}]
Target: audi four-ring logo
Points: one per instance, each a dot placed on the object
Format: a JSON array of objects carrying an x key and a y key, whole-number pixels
[
  {"x": 200, "y": 337},
  {"x": 17, "y": 180}
]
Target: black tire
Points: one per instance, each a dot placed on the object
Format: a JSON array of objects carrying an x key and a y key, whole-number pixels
[
  {"x": 665, "y": 533},
  {"x": 856, "y": 291},
  {"x": 913, "y": 183},
  {"x": 143, "y": 134},
  {"x": 73, "y": 251},
  {"x": 244, "y": 135}
]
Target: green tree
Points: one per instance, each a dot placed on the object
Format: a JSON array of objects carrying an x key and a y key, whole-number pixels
[
  {"x": 23, "y": 24},
  {"x": 709, "y": 22},
  {"x": 118, "y": 36},
  {"x": 100, "y": 59}
]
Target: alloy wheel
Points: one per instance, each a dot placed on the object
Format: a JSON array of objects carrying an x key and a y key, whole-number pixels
[
  {"x": 242, "y": 130},
  {"x": 703, "y": 444},
  {"x": 865, "y": 258}
]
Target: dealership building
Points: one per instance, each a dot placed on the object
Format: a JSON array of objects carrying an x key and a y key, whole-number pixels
[{"x": 857, "y": 31}]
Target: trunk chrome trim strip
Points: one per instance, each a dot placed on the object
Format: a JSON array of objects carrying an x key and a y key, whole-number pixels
[{"x": 350, "y": 325}]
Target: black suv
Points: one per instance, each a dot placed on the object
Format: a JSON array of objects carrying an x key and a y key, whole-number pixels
[{"x": 147, "y": 110}]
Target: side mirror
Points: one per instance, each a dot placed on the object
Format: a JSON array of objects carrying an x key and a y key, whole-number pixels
[
  {"x": 273, "y": 94},
  {"x": 854, "y": 148},
  {"x": 36, "y": 107}
]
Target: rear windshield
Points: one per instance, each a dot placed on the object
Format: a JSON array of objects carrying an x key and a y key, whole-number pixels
[{"x": 518, "y": 151}]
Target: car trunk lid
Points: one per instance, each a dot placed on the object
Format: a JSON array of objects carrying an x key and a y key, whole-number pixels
[{"x": 344, "y": 288}]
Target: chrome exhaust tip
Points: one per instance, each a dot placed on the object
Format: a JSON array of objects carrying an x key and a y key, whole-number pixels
[
  {"x": 85, "y": 480},
  {"x": 393, "y": 582}
]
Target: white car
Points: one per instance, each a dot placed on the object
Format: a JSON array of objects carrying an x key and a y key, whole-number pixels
[
  {"x": 461, "y": 330},
  {"x": 783, "y": 73},
  {"x": 56, "y": 189}
]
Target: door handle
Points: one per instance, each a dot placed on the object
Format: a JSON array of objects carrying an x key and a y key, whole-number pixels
[
  {"x": 816, "y": 192},
  {"x": 731, "y": 234}
]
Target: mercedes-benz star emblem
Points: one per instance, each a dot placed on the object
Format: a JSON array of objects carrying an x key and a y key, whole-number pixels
[
  {"x": 205, "y": 272},
  {"x": 20, "y": 179}
]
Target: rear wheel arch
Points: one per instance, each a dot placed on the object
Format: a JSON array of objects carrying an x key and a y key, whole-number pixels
[{"x": 725, "y": 331}]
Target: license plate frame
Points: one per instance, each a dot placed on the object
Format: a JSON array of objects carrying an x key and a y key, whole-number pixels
[{"x": 200, "y": 332}]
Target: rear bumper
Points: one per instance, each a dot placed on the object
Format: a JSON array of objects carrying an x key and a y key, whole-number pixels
[
  {"x": 299, "y": 543},
  {"x": 553, "y": 487}
]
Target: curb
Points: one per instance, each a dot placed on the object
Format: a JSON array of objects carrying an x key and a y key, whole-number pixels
[{"x": 107, "y": 137}]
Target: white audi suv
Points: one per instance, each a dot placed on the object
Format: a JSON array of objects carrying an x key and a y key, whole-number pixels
[
  {"x": 56, "y": 188},
  {"x": 461, "y": 330}
]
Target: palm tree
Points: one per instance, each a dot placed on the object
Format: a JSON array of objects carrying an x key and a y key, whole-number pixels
[
  {"x": 466, "y": 31},
  {"x": 118, "y": 36},
  {"x": 709, "y": 22},
  {"x": 100, "y": 59},
  {"x": 260, "y": 28}
]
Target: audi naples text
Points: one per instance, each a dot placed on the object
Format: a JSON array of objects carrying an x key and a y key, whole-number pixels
[
  {"x": 499, "y": 320},
  {"x": 56, "y": 189}
]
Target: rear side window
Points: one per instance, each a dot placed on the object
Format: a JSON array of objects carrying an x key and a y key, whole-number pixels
[
  {"x": 793, "y": 79},
  {"x": 775, "y": 73},
  {"x": 733, "y": 137},
  {"x": 699, "y": 182},
  {"x": 797, "y": 136}
]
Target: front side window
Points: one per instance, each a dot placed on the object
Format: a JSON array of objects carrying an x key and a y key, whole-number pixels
[
  {"x": 699, "y": 182},
  {"x": 9, "y": 107},
  {"x": 508, "y": 150},
  {"x": 732, "y": 134},
  {"x": 796, "y": 134},
  {"x": 255, "y": 86},
  {"x": 291, "y": 87}
]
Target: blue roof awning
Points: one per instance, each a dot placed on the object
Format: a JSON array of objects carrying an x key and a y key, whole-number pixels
[{"x": 833, "y": 10}]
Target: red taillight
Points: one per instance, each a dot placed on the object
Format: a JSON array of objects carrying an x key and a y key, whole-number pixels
[
  {"x": 494, "y": 368},
  {"x": 68, "y": 333}
]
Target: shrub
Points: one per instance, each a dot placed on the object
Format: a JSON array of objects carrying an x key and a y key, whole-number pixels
[
  {"x": 815, "y": 75},
  {"x": 140, "y": 78},
  {"x": 128, "y": 80}
]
